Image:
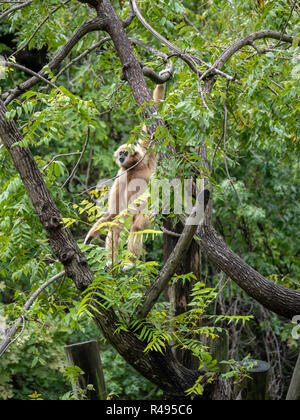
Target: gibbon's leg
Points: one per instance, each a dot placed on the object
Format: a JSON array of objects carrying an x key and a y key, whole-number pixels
[
  {"x": 111, "y": 243},
  {"x": 135, "y": 244}
]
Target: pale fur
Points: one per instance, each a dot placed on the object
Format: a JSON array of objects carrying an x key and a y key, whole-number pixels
[{"x": 124, "y": 193}]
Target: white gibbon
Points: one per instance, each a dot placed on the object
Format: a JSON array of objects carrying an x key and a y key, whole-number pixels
[{"x": 136, "y": 167}]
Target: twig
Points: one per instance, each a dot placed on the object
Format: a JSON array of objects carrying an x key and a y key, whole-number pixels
[
  {"x": 39, "y": 27},
  {"x": 224, "y": 142},
  {"x": 29, "y": 71},
  {"x": 149, "y": 48},
  {"x": 13, "y": 9},
  {"x": 84, "y": 54},
  {"x": 60, "y": 155},
  {"x": 170, "y": 233},
  {"x": 79, "y": 160}
]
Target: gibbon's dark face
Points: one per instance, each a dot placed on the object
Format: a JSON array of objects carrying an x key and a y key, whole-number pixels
[
  {"x": 126, "y": 157},
  {"x": 123, "y": 156}
]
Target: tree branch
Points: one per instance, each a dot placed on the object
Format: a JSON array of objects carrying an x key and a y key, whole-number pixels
[
  {"x": 190, "y": 59},
  {"x": 276, "y": 298},
  {"x": 15, "y": 8},
  {"x": 92, "y": 25},
  {"x": 69, "y": 179},
  {"x": 249, "y": 40},
  {"x": 29, "y": 71},
  {"x": 174, "y": 259},
  {"x": 82, "y": 55}
]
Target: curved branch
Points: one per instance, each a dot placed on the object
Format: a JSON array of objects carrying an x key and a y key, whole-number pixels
[
  {"x": 162, "y": 77},
  {"x": 92, "y": 25},
  {"x": 276, "y": 298},
  {"x": 15, "y": 8},
  {"x": 8, "y": 338},
  {"x": 248, "y": 40},
  {"x": 190, "y": 59},
  {"x": 29, "y": 71}
]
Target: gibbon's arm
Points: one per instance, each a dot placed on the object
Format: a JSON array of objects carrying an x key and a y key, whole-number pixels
[
  {"x": 94, "y": 232},
  {"x": 158, "y": 95},
  {"x": 113, "y": 211}
]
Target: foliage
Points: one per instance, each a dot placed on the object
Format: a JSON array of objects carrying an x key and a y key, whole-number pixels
[{"x": 255, "y": 205}]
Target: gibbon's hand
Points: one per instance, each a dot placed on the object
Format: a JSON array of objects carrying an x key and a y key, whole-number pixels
[{"x": 88, "y": 239}]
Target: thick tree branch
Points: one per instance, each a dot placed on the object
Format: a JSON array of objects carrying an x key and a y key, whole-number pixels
[
  {"x": 175, "y": 259},
  {"x": 249, "y": 40},
  {"x": 276, "y": 298}
]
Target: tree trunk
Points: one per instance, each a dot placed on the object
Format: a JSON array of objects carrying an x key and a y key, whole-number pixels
[{"x": 179, "y": 294}]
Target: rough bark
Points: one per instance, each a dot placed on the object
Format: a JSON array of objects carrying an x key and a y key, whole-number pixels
[
  {"x": 179, "y": 294},
  {"x": 277, "y": 298}
]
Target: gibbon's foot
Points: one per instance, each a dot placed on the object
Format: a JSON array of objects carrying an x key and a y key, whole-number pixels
[
  {"x": 108, "y": 265},
  {"x": 127, "y": 266},
  {"x": 88, "y": 239}
]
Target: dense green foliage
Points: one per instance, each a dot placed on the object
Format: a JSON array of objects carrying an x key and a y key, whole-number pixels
[{"x": 256, "y": 203}]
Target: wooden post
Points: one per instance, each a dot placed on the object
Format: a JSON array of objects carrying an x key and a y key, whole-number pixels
[
  {"x": 219, "y": 349},
  {"x": 87, "y": 357},
  {"x": 254, "y": 387},
  {"x": 294, "y": 389}
]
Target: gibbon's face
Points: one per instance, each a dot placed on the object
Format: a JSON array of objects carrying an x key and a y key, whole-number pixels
[{"x": 126, "y": 157}]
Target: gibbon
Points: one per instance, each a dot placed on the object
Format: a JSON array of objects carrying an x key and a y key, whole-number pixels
[{"x": 136, "y": 168}]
